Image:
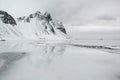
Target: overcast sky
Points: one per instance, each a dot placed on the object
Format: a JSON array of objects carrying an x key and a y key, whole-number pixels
[{"x": 70, "y": 12}]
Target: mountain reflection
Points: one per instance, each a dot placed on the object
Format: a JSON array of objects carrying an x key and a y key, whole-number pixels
[{"x": 30, "y": 53}]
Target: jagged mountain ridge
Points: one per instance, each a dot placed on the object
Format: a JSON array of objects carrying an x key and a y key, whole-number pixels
[
  {"x": 7, "y": 18},
  {"x": 34, "y": 26}
]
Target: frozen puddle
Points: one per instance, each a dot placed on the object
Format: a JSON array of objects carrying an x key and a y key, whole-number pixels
[{"x": 45, "y": 61}]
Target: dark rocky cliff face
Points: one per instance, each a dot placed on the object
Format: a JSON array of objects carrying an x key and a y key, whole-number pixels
[{"x": 7, "y": 18}]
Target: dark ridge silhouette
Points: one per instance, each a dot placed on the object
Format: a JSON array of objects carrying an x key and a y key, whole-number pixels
[{"x": 7, "y": 18}]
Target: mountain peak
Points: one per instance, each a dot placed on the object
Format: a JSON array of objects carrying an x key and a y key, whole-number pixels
[
  {"x": 7, "y": 18},
  {"x": 46, "y": 16},
  {"x": 33, "y": 26}
]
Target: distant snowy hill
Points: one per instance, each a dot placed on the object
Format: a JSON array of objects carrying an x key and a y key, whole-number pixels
[{"x": 32, "y": 27}]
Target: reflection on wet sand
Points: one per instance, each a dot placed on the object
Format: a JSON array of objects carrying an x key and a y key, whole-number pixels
[
  {"x": 45, "y": 54},
  {"x": 57, "y": 61},
  {"x": 36, "y": 55},
  {"x": 6, "y": 59}
]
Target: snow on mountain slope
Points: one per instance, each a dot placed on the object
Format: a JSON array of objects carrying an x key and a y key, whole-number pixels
[
  {"x": 8, "y": 32},
  {"x": 8, "y": 28},
  {"x": 33, "y": 27}
]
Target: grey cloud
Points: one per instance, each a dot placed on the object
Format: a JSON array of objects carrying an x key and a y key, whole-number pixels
[
  {"x": 70, "y": 12},
  {"x": 106, "y": 18}
]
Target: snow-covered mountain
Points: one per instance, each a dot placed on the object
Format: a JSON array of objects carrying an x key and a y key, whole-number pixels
[{"x": 32, "y": 27}]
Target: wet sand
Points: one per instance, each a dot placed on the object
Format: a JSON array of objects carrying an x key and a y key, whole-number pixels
[{"x": 57, "y": 61}]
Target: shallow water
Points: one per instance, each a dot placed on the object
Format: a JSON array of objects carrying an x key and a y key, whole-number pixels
[{"x": 58, "y": 61}]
